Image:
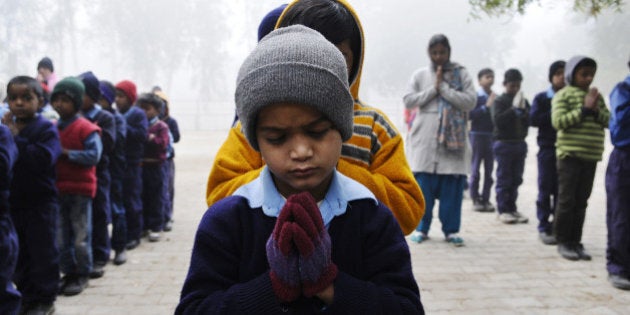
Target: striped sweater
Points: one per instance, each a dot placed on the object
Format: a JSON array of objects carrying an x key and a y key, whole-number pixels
[
  {"x": 580, "y": 135},
  {"x": 374, "y": 156}
]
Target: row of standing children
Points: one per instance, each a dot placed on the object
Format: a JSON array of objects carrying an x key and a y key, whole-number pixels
[
  {"x": 571, "y": 117},
  {"x": 73, "y": 176}
]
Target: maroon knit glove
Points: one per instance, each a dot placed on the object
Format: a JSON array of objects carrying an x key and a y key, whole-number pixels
[
  {"x": 317, "y": 271},
  {"x": 283, "y": 259}
]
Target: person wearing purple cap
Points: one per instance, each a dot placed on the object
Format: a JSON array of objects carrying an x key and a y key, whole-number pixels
[
  {"x": 101, "y": 204},
  {"x": 116, "y": 169}
]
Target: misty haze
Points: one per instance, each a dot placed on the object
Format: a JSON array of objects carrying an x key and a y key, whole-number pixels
[{"x": 193, "y": 49}]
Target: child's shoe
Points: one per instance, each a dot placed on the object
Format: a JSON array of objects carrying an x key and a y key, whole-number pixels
[
  {"x": 488, "y": 207},
  {"x": 568, "y": 252},
  {"x": 418, "y": 237},
  {"x": 579, "y": 249},
  {"x": 547, "y": 238},
  {"x": 520, "y": 218},
  {"x": 619, "y": 281},
  {"x": 507, "y": 218},
  {"x": 120, "y": 257},
  {"x": 154, "y": 236},
  {"x": 75, "y": 286},
  {"x": 478, "y": 206},
  {"x": 455, "y": 240}
]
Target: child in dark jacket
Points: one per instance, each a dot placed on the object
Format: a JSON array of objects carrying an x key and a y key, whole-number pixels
[
  {"x": 510, "y": 114},
  {"x": 540, "y": 116},
  {"x": 481, "y": 128},
  {"x": 33, "y": 196},
  {"x": 117, "y": 171},
  {"x": 9, "y": 297},
  {"x": 101, "y": 216},
  {"x": 76, "y": 180},
  {"x": 617, "y": 188},
  {"x": 330, "y": 245},
  {"x": 152, "y": 166},
  {"x": 137, "y": 125},
  {"x": 169, "y": 164},
  {"x": 579, "y": 114}
]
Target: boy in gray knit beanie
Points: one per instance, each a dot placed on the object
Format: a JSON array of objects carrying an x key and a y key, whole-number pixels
[
  {"x": 294, "y": 65},
  {"x": 300, "y": 221}
]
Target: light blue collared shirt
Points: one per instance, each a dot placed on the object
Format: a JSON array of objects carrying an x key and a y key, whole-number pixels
[
  {"x": 550, "y": 92},
  {"x": 262, "y": 193}
]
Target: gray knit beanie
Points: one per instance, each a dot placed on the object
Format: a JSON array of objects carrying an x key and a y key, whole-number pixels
[{"x": 298, "y": 65}]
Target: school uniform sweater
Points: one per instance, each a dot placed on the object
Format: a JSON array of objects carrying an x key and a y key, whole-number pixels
[
  {"x": 155, "y": 149},
  {"x": 480, "y": 118},
  {"x": 117, "y": 155},
  {"x": 229, "y": 272},
  {"x": 540, "y": 116},
  {"x": 580, "y": 132},
  {"x": 620, "y": 114},
  {"x": 8, "y": 156},
  {"x": 34, "y": 172},
  {"x": 510, "y": 123},
  {"x": 137, "y": 126},
  {"x": 72, "y": 177},
  {"x": 374, "y": 155},
  {"x": 105, "y": 121}
]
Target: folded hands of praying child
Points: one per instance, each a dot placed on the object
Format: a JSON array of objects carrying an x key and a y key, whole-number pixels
[{"x": 299, "y": 252}]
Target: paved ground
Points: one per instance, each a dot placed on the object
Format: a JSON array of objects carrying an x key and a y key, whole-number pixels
[{"x": 501, "y": 270}]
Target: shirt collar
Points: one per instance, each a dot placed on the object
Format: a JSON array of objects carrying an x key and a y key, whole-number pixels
[
  {"x": 262, "y": 193},
  {"x": 61, "y": 124},
  {"x": 92, "y": 112},
  {"x": 153, "y": 120},
  {"x": 550, "y": 92},
  {"x": 482, "y": 92}
]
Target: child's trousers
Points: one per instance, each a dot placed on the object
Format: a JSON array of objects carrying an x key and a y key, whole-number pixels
[
  {"x": 575, "y": 182},
  {"x": 9, "y": 296},
  {"x": 75, "y": 234},
  {"x": 447, "y": 188},
  {"x": 618, "y": 212},
  {"x": 101, "y": 216},
  {"x": 153, "y": 196},
  {"x": 547, "y": 188},
  {"x": 481, "y": 155},
  {"x": 510, "y": 157},
  {"x": 132, "y": 200},
  {"x": 37, "y": 270},
  {"x": 119, "y": 221}
]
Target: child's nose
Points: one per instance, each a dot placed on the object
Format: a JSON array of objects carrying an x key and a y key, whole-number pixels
[{"x": 301, "y": 149}]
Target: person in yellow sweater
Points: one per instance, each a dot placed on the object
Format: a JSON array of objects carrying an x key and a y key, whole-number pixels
[{"x": 374, "y": 155}]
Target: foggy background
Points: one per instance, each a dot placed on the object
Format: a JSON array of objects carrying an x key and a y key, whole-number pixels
[{"x": 193, "y": 49}]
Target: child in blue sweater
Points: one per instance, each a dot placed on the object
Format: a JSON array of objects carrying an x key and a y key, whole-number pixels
[
  {"x": 9, "y": 296},
  {"x": 617, "y": 188},
  {"x": 302, "y": 237},
  {"x": 33, "y": 196}
]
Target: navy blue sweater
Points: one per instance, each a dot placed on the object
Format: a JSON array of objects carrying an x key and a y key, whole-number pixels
[
  {"x": 480, "y": 117},
  {"x": 540, "y": 116},
  {"x": 106, "y": 122},
  {"x": 8, "y": 155},
  {"x": 117, "y": 155},
  {"x": 510, "y": 123},
  {"x": 137, "y": 126},
  {"x": 229, "y": 272},
  {"x": 34, "y": 173}
]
